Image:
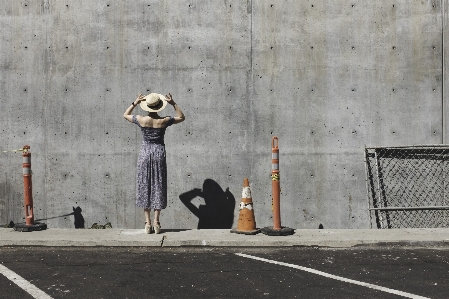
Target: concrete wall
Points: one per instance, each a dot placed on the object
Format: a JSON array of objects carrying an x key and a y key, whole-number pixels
[{"x": 326, "y": 77}]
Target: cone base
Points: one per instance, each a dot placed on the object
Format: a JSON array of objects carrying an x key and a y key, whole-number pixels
[
  {"x": 22, "y": 227},
  {"x": 245, "y": 232},
  {"x": 284, "y": 231}
]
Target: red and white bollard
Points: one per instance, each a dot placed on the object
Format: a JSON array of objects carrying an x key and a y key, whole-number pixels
[
  {"x": 28, "y": 196},
  {"x": 276, "y": 229},
  {"x": 27, "y": 186},
  {"x": 275, "y": 184}
]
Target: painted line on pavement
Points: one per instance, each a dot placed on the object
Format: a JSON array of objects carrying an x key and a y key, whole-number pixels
[
  {"x": 23, "y": 284},
  {"x": 313, "y": 271}
]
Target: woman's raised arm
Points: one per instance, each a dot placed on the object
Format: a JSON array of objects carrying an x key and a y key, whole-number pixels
[
  {"x": 180, "y": 117},
  {"x": 127, "y": 115}
]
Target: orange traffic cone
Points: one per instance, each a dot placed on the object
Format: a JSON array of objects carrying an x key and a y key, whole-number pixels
[{"x": 247, "y": 221}]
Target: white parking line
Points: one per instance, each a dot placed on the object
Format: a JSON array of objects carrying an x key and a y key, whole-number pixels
[
  {"x": 23, "y": 284},
  {"x": 364, "y": 284}
]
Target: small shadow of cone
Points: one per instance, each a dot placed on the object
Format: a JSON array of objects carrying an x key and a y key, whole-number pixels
[{"x": 247, "y": 222}]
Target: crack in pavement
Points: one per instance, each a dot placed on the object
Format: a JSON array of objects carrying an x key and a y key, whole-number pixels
[{"x": 162, "y": 240}]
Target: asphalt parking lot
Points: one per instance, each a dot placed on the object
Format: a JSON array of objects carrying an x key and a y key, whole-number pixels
[{"x": 147, "y": 272}]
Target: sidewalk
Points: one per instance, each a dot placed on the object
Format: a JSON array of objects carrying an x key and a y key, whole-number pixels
[{"x": 224, "y": 238}]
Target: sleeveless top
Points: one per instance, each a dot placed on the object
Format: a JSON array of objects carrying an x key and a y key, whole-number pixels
[{"x": 153, "y": 135}]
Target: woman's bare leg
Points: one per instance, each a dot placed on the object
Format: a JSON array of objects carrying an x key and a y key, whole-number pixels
[
  {"x": 147, "y": 221},
  {"x": 147, "y": 216},
  {"x": 157, "y": 226},
  {"x": 157, "y": 213}
]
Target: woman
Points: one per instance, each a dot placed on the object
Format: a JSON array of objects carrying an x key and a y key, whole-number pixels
[{"x": 151, "y": 164}]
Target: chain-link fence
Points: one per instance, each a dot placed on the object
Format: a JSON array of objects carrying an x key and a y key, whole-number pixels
[{"x": 407, "y": 186}]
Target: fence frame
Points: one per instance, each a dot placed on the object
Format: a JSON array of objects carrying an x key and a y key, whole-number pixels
[{"x": 375, "y": 184}]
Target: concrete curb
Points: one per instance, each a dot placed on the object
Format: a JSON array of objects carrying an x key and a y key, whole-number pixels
[{"x": 338, "y": 238}]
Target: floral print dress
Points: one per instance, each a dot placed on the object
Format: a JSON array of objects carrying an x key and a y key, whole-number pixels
[{"x": 151, "y": 191}]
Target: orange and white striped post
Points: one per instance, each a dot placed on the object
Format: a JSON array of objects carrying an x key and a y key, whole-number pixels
[
  {"x": 276, "y": 229},
  {"x": 275, "y": 183},
  {"x": 27, "y": 186},
  {"x": 29, "y": 224}
]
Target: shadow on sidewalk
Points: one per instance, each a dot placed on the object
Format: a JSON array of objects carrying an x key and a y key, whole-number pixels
[
  {"x": 174, "y": 230},
  {"x": 79, "y": 219}
]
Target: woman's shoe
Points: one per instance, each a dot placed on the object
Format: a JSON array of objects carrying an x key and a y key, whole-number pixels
[
  {"x": 157, "y": 228},
  {"x": 147, "y": 228}
]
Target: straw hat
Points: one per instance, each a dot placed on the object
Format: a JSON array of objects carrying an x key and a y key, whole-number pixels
[{"x": 153, "y": 102}]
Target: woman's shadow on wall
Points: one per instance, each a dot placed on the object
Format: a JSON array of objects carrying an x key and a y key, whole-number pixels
[{"x": 218, "y": 210}]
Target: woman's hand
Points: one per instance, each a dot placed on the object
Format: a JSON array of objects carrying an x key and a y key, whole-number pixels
[
  {"x": 139, "y": 98},
  {"x": 169, "y": 98}
]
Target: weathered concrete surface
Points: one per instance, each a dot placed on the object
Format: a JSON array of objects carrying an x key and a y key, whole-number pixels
[{"x": 326, "y": 77}]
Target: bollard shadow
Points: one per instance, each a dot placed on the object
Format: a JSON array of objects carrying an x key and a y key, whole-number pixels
[
  {"x": 79, "y": 219},
  {"x": 218, "y": 210}
]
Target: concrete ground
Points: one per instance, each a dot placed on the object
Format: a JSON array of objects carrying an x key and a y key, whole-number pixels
[{"x": 224, "y": 238}]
